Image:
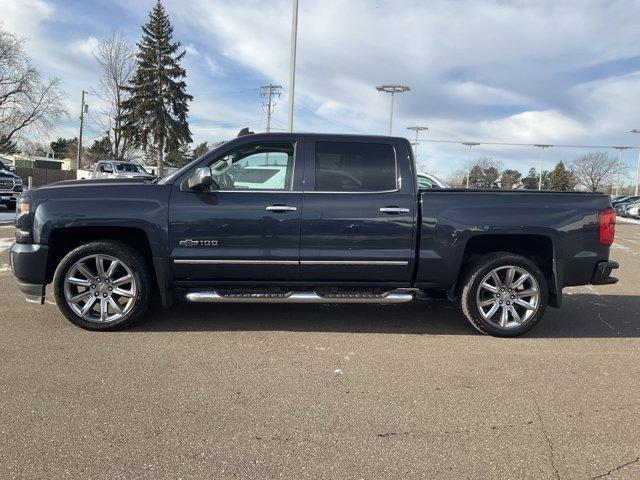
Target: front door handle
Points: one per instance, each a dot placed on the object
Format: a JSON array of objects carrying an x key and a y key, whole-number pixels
[
  {"x": 281, "y": 208},
  {"x": 394, "y": 210}
]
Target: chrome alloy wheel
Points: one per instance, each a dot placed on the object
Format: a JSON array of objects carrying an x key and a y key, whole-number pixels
[
  {"x": 100, "y": 288},
  {"x": 508, "y": 296}
]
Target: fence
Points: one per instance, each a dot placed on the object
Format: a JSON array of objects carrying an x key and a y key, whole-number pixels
[{"x": 43, "y": 176}]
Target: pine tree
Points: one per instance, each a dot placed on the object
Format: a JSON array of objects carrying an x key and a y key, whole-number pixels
[
  {"x": 530, "y": 182},
  {"x": 560, "y": 178},
  {"x": 156, "y": 112},
  {"x": 8, "y": 146},
  {"x": 510, "y": 179},
  {"x": 179, "y": 157}
]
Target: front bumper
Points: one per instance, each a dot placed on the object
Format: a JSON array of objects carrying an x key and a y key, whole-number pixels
[
  {"x": 8, "y": 196},
  {"x": 602, "y": 275},
  {"x": 29, "y": 267}
]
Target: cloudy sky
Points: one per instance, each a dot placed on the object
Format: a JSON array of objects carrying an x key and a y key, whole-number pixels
[{"x": 504, "y": 71}]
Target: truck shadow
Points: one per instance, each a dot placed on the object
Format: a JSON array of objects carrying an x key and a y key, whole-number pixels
[{"x": 581, "y": 316}]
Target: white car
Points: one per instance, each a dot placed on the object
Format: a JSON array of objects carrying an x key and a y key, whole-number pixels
[
  {"x": 633, "y": 211},
  {"x": 428, "y": 181}
]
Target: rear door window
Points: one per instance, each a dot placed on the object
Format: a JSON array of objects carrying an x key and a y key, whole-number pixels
[{"x": 355, "y": 167}]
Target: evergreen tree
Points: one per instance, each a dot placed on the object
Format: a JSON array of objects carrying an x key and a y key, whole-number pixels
[
  {"x": 530, "y": 182},
  {"x": 561, "y": 178},
  {"x": 200, "y": 150},
  {"x": 179, "y": 157},
  {"x": 156, "y": 112},
  {"x": 484, "y": 173},
  {"x": 8, "y": 146},
  {"x": 101, "y": 147},
  {"x": 510, "y": 179},
  {"x": 60, "y": 145}
]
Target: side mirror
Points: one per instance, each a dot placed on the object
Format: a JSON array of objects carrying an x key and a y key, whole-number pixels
[{"x": 201, "y": 179}]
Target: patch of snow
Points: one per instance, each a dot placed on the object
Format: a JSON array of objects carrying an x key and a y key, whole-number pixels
[{"x": 5, "y": 243}]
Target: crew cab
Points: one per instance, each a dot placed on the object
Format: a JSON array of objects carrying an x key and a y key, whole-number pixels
[{"x": 329, "y": 218}]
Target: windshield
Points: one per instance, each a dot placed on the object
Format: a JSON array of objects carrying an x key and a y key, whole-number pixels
[{"x": 130, "y": 167}]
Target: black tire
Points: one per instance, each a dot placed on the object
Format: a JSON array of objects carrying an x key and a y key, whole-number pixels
[
  {"x": 472, "y": 279},
  {"x": 123, "y": 253}
]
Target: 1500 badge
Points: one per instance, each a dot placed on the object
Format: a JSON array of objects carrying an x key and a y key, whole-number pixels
[{"x": 198, "y": 243}]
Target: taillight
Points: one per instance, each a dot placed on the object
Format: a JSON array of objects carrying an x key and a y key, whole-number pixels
[{"x": 607, "y": 227}]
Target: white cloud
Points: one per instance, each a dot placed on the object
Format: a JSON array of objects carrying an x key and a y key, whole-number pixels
[
  {"x": 533, "y": 126},
  {"x": 22, "y": 17},
  {"x": 85, "y": 46}
]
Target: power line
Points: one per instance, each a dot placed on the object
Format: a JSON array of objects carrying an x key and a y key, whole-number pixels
[
  {"x": 460, "y": 142},
  {"x": 270, "y": 95}
]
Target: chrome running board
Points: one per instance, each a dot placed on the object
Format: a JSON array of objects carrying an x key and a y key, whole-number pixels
[{"x": 211, "y": 296}]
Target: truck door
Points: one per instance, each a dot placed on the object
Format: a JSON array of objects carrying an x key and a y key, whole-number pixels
[
  {"x": 246, "y": 229},
  {"x": 359, "y": 216}
]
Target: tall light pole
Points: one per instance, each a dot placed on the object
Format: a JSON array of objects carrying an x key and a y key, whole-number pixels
[
  {"x": 470, "y": 145},
  {"x": 637, "y": 130},
  {"x": 417, "y": 129},
  {"x": 83, "y": 109},
  {"x": 620, "y": 149},
  {"x": 541, "y": 146},
  {"x": 292, "y": 62},
  {"x": 392, "y": 89}
]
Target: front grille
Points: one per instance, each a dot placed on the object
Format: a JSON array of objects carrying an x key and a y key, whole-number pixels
[{"x": 6, "y": 184}]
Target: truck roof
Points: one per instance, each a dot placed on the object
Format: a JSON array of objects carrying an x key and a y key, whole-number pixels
[{"x": 327, "y": 136}]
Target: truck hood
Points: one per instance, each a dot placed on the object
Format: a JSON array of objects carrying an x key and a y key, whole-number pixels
[
  {"x": 8, "y": 174},
  {"x": 144, "y": 176}
]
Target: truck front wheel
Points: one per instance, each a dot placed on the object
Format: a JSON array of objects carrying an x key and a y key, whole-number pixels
[
  {"x": 504, "y": 294},
  {"x": 103, "y": 285}
]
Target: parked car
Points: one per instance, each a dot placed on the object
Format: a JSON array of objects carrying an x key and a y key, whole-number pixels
[
  {"x": 7, "y": 166},
  {"x": 10, "y": 187},
  {"x": 428, "y": 181},
  {"x": 621, "y": 206},
  {"x": 114, "y": 169},
  {"x": 633, "y": 210},
  {"x": 346, "y": 223}
]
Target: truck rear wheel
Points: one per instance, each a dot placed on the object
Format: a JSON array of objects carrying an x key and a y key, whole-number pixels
[
  {"x": 103, "y": 285},
  {"x": 504, "y": 295}
]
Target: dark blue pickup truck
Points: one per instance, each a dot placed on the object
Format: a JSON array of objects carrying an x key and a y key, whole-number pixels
[{"x": 307, "y": 218}]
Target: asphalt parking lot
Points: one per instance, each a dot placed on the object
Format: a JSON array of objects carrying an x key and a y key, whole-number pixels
[{"x": 270, "y": 391}]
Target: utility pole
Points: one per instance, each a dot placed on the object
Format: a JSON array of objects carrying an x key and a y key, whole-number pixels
[
  {"x": 292, "y": 62},
  {"x": 637, "y": 130},
  {"x": 271, "y": 93},
  {"x": 83, "y": 109},
  {"x": 417, "y": 129},
  {"x": 470, "y": 145},
  {"x": 620, "y": 149},
  {"x": 541, "y": 147},
  {"x": 392, "y": 89}
]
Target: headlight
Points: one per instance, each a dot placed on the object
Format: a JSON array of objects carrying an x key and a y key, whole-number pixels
[
  {"x": 23, "y": 220},
  {"x": 18, "y": 181}
]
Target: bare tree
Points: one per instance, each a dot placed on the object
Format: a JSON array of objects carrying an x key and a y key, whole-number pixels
[
  {"x": 457, "y": 178},
  {"x": 28, "y": 102},
  {"x": 116, "y": 57},
  {"x": 595, "y": 171}
]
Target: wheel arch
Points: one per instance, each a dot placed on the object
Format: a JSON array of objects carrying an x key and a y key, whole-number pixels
[
  {"x": 63, "y": 240},
  {"x": 539, "y": 248}
]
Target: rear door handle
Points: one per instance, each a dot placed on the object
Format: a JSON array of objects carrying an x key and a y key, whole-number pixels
[
  {"x": 281, "y": 208},
  {"x": 394, "y": 210}
]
